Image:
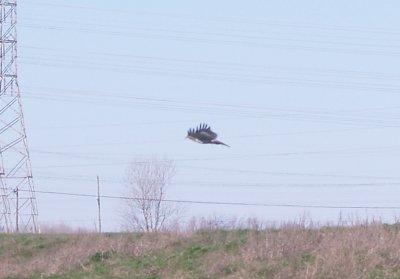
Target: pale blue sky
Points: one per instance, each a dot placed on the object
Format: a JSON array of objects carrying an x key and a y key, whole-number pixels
[{"x": 305, "y": 92}]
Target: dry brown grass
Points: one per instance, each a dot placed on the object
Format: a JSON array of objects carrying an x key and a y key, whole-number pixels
[
  {"x": 291, "y": 251},
  {"x": 50, "y": 254}
]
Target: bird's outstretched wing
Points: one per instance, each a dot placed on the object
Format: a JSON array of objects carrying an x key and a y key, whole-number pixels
[{"x": 203, "y": 133}]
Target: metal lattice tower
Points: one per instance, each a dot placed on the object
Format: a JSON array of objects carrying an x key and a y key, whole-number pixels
[{"x": 18, "y": 211}]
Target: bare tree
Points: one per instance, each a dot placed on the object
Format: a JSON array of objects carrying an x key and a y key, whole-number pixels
[{"x": 147, "y": 184}]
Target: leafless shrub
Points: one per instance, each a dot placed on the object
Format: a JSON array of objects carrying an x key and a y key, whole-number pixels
[{"x": 147, "y": 184}]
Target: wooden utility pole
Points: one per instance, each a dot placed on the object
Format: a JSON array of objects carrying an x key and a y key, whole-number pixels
[
  {"x": 98, "y": 202},
  {"x": 17, "y": 210}
]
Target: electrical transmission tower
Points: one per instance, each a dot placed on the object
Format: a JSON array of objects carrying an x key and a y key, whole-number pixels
[{"x": 18, "y": 202}]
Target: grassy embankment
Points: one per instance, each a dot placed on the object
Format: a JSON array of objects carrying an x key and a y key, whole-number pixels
[{"x": 292, "y": 251}]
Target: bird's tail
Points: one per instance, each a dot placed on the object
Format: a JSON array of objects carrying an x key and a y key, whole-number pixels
[{"x": 220, "y": 142}]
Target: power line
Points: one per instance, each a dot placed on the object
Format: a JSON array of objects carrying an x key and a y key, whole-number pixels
[
  {"x": 338, "y": 152},
  {"x": 258, "y": 172},
  {"x": 233, "y": 184},
  {"x": 234, "y": 20},
  {"x": 217, "y": 169},
  {"x": 272, "y": 134},
  {"x": 223, "y": 77},
  {"x": 223, "y": 203},
  {"x": 212, "y": 64},
  {"x": 224, "y": 39},
  {"x": 287, "y": 114},
  {"x": 207, "y": 74},
  {"x": 219, "y": 34},
  {"x": 90, "y": 95},
  {"x": 220, "y": 31},
  {"x": 282, "y": 173}
]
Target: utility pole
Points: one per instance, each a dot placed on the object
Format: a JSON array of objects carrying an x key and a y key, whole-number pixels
[
  {"x": 5, "y": 222},
  {"x": 15, "y": 170},
  {"x": 17, "y": 210},
  {"x": 98, "y": 202}
]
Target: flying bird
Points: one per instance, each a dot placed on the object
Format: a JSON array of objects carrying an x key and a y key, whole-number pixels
[{"x": 203, "y": 134}]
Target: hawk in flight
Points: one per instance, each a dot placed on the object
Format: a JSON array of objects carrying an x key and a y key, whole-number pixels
[{"x": 203, "y": 134}]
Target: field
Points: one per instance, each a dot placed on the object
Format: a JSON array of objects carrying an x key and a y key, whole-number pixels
[{"x": 290, "y": 251}]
